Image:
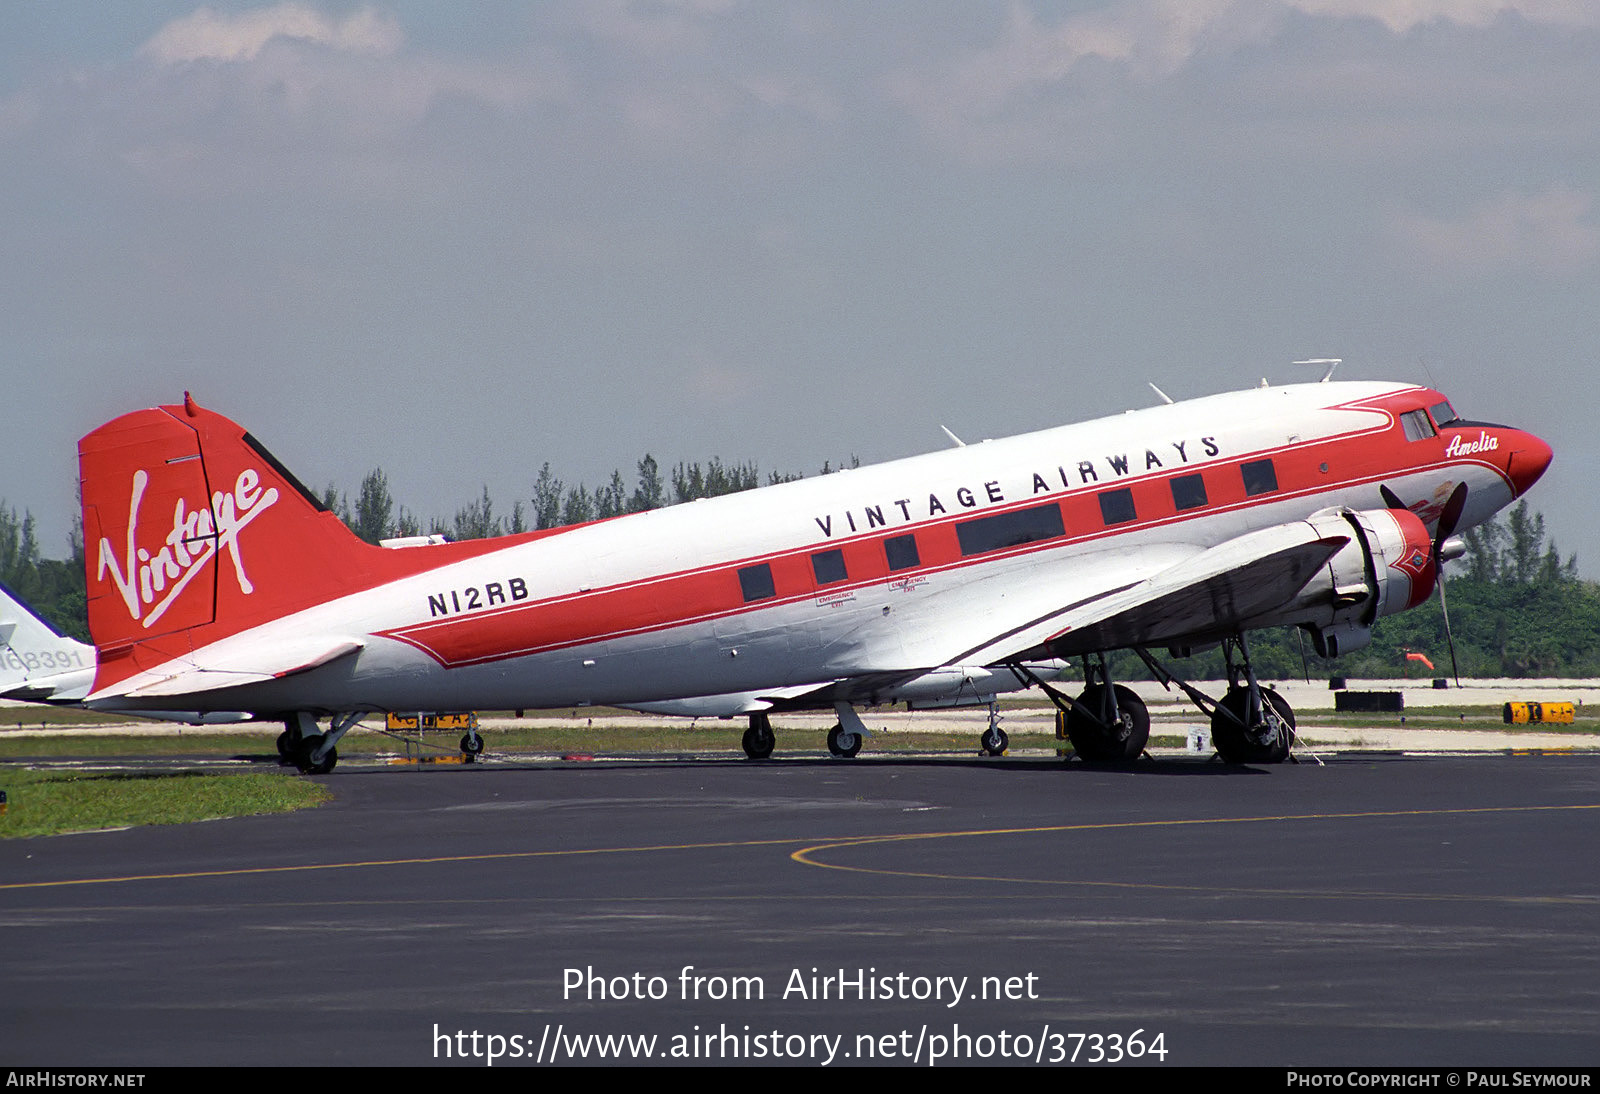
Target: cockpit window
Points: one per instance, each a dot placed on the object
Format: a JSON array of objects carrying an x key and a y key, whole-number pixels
[
  {"x": 1417, "y": 426},
  {"x": 1443, "y": 413}
]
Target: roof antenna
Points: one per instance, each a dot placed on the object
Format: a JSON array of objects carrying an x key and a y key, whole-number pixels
[
  {"x": 1433, "y": 383},
  {"x": 958, "y": 441},
  {"x": 1165, "y": 398},
  {"x": 1331, "y": 362}
]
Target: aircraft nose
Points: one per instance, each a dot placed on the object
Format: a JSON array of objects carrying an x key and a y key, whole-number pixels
[{"x": 1529, "y": 457}]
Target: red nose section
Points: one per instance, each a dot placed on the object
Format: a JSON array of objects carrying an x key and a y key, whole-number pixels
[{"x": 1529, "y": 457}]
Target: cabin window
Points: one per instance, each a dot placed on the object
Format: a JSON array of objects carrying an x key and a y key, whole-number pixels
[
  {"x": 828, "y": 566},
  {"x": 1443, "y": 413},
  {"x": 1259, "y": 477},
  {"x": 1188, "y": 492},
  {"x": 1416, "y": 425},
  {"x": 1010, "y": 529},
  {"x": 901, "y": 551},
  {"x": 1116, "y": 506},
  {"x": 756, "y": 582}
]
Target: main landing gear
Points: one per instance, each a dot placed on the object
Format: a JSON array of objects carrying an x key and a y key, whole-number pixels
[
  {"x": 1250, "y": 724},
  {"x": 1107, "y": 722}
]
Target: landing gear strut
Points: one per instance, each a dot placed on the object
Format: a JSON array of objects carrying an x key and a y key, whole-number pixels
[
  {"x": 848, "y": 734},
  {"x": 1251, "y": 725},
  {"x": 312, "y": 752},
  {"x": 993, "y": 740},
  {"x": 759, "y": 739},
  {"x": 1107, "y": 723}
]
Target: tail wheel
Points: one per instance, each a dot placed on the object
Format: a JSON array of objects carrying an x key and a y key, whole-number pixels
[
  {"x": 471, "y": 747},
  {"x": 843, "y": 744},
  {"x": 994, "y": 741},
  {"x": 1265, "y": 743},
  {"x": 1109, "y": 740}
]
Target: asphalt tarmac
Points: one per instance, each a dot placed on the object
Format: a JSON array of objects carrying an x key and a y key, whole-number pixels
[{"x": 1375, "y": 910}]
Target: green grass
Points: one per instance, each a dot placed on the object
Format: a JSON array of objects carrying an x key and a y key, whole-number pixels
[
  {"x": 38, "y": 717},
  {"x": 42, "y": 803}
]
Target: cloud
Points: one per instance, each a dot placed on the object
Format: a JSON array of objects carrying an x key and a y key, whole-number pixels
[
  {"x": 208, "y": 35},
  {"x": 1547, "y": 233},
  {"x": 1403, "y": 15},
  {"x": 1156, "y": 39}
]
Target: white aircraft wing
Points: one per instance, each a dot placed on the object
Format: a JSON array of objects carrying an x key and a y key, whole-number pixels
[{"x": 1211, "y": 592}]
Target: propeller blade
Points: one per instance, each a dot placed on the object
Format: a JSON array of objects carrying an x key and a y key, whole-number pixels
[
  {"x": 1448, "y": 519},
  {"x": 1449, "y": 638},
  {"x": 1390, "y": 500},
  {"x": 1451, "y": 516}
]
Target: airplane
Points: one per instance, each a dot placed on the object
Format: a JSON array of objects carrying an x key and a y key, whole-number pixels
[
  {"x": 39, "y": 664},
  {"x": 217, "y": 582}
]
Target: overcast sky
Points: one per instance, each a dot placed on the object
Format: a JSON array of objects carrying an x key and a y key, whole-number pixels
[{"x": 457, "y": 241}]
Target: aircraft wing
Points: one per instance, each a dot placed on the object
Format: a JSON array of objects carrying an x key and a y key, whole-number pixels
[{"x": 1213, "y": 592}]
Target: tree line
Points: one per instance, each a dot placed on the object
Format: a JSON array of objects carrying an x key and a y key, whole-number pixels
[{"x": 374, "y": 515}]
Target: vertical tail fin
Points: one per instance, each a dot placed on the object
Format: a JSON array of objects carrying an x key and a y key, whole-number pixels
[{"x": 193, "y": 532}]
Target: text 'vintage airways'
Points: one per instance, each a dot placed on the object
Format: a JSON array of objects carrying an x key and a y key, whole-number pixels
[{"x": 938, "y": 503}]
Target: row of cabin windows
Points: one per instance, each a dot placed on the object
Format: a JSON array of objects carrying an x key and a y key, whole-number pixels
[
  {"x": 1012, "y": 529},
  {"x": 1188, "y": 492}
]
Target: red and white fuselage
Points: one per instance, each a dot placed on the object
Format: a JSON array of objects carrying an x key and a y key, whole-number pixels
[{"x": 217, "y": 583}]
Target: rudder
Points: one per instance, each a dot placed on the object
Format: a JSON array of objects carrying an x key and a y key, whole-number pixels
[{"x": 193, "y": 532}]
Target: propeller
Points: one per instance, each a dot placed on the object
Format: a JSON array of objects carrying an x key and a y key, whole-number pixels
[
  {"x": 1447, "y": 526},
  {"x": 1449, "y": 517}
]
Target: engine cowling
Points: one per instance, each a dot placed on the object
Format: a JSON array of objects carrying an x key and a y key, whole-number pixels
[{"x": 1386, "y": 568}]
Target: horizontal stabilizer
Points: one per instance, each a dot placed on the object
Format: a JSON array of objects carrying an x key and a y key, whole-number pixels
[{"x": 252, "y": 665}]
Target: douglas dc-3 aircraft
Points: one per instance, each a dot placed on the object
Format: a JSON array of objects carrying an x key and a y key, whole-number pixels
[{"x": 218, "y": 583}]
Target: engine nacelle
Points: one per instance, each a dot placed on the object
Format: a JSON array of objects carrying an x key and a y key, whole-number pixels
[{"x": 1386, "y": 568}]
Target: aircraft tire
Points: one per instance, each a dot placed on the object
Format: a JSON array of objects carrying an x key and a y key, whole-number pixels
[
  {"x": 308, "y": 746},
  {"x": 759, "y": 743},
  {"x": 471, "y": 748},
  {"x": 285, "y": 748},
  {"x": 1236, "y": 745},
  {"x": 843, "y": 745},
  {"x": 1123, "y": 743},
  {"x": 994, "y": 742}
]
